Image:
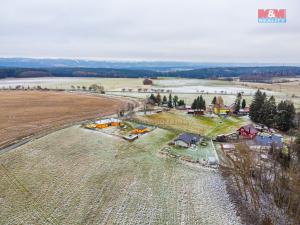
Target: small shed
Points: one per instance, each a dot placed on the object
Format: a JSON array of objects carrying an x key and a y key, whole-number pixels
[
  {"x": 181, "y": 107},
  {"x": 199, "y": 112},
  {"x": 228, "y": 147},
  {"x": 196, "y": 112},
  {"x": 131, "y": 137},
  {"x": 244, "y": 112},
  {"x": 190, "y": 111},
  {"x": 141, "y": 129},
  {"x": 212, "y": 161}
]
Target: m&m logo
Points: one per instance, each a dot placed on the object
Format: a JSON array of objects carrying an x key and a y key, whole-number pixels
[{"x": 272, "y": 15}]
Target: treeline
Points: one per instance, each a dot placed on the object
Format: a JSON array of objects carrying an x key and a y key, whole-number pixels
[
  {"x": 264, "y": 110},
  {"x": 267, "y": 71},
  {"x": 74, "y": 72},
  {"x": 226, "y": 72},
  {"x": 94, "y": 88},
  {"x": 170, "y": 101}
]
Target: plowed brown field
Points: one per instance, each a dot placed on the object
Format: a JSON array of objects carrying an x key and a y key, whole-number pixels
[{"x": 24, "y": 113}]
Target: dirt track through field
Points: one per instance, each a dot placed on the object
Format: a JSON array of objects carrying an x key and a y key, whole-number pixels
[{"x": 24, "y": 113}]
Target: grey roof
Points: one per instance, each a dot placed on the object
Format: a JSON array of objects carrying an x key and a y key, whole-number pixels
[
  {"x": 269, "y": 140},
  {"x": 141, "y": 127},
  {"x": 188, "y": 138}
]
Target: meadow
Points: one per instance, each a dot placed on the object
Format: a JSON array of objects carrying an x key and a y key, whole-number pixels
[
  {"x": 203, "y": 125},
  {"x": 78, "y": 176}
]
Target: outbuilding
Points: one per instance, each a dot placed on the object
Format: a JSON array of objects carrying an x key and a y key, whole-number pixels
[
  {"x": 141, "y": 129},
  {"x": 112, "y": 122},
  {"x": 227, "y": 147}
]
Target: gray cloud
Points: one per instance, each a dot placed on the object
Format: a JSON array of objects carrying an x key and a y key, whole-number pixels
[{"x": 215, "y": 30}]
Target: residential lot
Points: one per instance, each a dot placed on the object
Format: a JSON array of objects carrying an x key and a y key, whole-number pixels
[{"x": 200, "y": 153}]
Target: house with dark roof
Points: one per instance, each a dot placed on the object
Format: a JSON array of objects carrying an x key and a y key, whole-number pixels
[
  {"x": 187, "y": 140},
  {"x": 248, "y": 131},
  {"x": 268, "y": 141}
]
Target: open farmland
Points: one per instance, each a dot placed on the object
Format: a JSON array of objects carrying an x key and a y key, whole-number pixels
[
  {"x": 186, "y": 89},
  {"x": 24, "y": 113},
  {"x": 67, "y": 82},
  {"x": 78, "y": 176},
  {"x": 287, "y": 90}
]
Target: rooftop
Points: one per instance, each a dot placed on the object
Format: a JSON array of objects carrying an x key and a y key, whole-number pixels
[
  {"x": 268, "y": 140},
  {"x": 141, "y": 127},
  {"x": 110, "y": 120},
  {"x": 228, "y": 146},
  {"x": 188, "y": 138},
  {"x": 249, "y": 128}
]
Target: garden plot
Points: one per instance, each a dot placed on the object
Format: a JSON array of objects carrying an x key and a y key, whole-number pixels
[
  {"x": 78, "y": 176},
  {"x": 126, "y": 131}
]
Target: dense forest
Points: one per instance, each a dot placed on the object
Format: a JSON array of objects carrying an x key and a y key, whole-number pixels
[{"x": 245, "y": 73}]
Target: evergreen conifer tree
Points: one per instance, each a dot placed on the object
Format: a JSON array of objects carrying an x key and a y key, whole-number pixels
[
  {"x": 175, "y": 100},
  {"x": 158, "y": 99},
  {"x": 214, "y": 100},
  {"x": 256, "y": 105},
  {"x": 170, "y": 102},
  {"x": 285, "y": 115},
  {"x": 165, "y": 100},
  {"x": 243, "y": 104}
]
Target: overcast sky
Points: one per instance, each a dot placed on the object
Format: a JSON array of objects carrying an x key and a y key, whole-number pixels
[{"x": 189, "y": 30}]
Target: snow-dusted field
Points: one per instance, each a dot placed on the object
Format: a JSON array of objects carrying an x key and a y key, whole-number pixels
[
  {"x": 77, "y": 176},
  {"x": 193, "y": 86},
  {"x": 67, "y": 82},
  {"x": 203, "y": 86}
]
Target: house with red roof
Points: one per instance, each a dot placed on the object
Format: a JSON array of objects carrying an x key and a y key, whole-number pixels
[{"x": 248, "y": 131}]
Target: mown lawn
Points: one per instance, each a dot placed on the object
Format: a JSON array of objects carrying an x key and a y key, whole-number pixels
[
  {"x": 202, "y": 125},
  {"x": 226, "y": 125},
  {"x": 199, "y": 153}
]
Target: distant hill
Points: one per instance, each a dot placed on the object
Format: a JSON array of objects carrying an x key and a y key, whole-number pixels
[
  {"x": 245, "y": 73},
  {"x": 132, "y": 65}
]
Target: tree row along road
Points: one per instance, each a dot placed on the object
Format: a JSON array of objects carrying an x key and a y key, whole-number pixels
[{"x": 174, "y": 92}]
